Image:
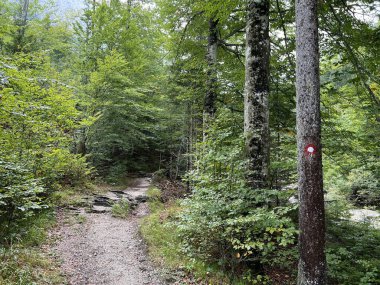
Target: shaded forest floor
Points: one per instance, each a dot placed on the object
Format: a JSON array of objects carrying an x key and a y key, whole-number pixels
[{"x": 94, "y": 247}]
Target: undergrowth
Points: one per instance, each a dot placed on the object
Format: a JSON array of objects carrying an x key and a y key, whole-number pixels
[
  {"x": 121, "y": 209},
  {"x": 21, "y": 260},
  {"x": 162, "y": 235},
  {"x": 353, "y": 250},
  {"x": 353, "y": 253}
]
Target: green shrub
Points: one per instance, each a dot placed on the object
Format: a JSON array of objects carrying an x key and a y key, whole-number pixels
[
  {"x": 154, "y": 194},
  {"x": 121, "y": 209},
  {"x": 67, "y": 197},
  {"x": 159, "y": 175},
  {"x": 364, "y": 185},
  {"x": 21, "y": 260},
  {"x": 236, "y": 236},
  {"x": 225, "y": 222},
  {"x": 353, "y": 251},
  {"x": 62, "y": 167},
  {"x": 20, "y": 195},
  {"x": 21, "y": 266}
]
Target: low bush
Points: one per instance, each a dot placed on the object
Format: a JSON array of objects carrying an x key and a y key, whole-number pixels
[
  {"x": 121, "y": 209},
  {"x": 64, "y": 168},
  {"x": 154, "y": 194},
  {"x": 353, "y": 251},
  {"x": 20, "y": 195},
  {"x": 364, "y": 185}
]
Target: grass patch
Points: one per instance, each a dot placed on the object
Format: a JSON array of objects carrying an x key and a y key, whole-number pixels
[
  {"x": 154, "y": 194},
  {"x": 160, "y": 235},
  {"x": 21, "y": 259},
  {"x": 27, "y": 266},
  {"x": 121, "y": 209},
  {"x": 67, "y": 197},
  {"x": 101, "y": 186},
  {"x": 80, "y": 219}
]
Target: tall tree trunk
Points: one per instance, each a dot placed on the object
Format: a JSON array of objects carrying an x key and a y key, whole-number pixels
[
  {"x": 209, "y": 108},
  {"x": 312, "y": 263},
  {"x": 256, "y": 93},
  {"x": 21, "y": 22}
]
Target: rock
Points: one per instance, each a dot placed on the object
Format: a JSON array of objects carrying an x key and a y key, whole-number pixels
[
  {"x": 141, "y": 198},
  {"x": 170, "y": 279},
  {"x": 100, "y": 209},
  {"x": 112, "y": 196},
  {"x": 293, "y": 186},
  {"x": 293, "y": 200},
  {"x": 365, "y": 215},
  {"x": 103, "y": 201}
]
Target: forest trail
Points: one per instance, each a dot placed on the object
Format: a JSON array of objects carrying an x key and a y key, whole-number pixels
[{"x": 103, "y": 249}]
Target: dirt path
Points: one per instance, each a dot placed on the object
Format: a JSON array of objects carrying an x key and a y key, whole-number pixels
[{"x": 106, "y": 250}]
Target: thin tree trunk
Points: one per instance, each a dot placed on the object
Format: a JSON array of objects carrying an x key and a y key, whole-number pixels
[
  {"x": 312, "y": 263},
  {"x": 209, "y": 108},
  {"x": 189, "y": 123},
  {"x": 256, "y": 106},
  {"x": 21, "y": 22}
]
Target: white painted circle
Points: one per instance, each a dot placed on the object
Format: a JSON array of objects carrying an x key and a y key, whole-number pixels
[{"x": 310, "y": 149}]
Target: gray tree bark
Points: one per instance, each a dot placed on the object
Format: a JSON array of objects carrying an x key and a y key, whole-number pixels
[
  {"x": 312, "y": 262},
  {"x": 212, "y": 48},
  {"x": 256, "y": 93},
  {"x": 209, "y": 107}
]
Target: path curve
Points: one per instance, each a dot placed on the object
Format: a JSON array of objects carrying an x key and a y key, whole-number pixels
[{"x": 104, "y": 250}]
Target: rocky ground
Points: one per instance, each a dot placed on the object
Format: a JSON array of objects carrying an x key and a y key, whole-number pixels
[
  {"x": 366, "y": 215},
  {"x": 100, "y": 249}
]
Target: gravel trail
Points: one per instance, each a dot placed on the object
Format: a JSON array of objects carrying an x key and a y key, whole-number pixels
[{"x": 103, "y": 250}]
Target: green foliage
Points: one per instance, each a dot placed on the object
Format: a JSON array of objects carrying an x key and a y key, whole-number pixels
[
  {"x": 162, "y": 236},
  {"x": 154, "y": 194},
  {"x": 125, "y": 85},
  {"x": 121, "y": 209},
  {"x": 67, "y": 169},
  {"x": 21, "y": 261},
  {"x": 124, "y": 113},
  {"x": 68, "y": 196},
  {"x": 364, "y": 185},
  {"x": 38, "y": 118},
  {"x": 124, "y": 81},
  {"x": 225, "y": 222},
  {"x": 20, "y": 266},
  {"x": 353, "y": 251},
  {"x": 20, "y": 195}
]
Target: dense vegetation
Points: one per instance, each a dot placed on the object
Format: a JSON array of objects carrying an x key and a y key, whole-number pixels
[{"x": 141, "y": 86}]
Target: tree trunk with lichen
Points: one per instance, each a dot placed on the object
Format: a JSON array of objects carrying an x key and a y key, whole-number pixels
[
  {"x": 209, "y": 107},
  {"x": 256, "y": 93},
  {"x": 312, "y": 262}
]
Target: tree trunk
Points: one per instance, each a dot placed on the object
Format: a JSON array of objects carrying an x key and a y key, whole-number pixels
[
  {"x": 21, "y": 22},
  {"x": 209, "y": 108},
  {"x": 312, "y": 263},
  {"x": 256, "y": 93}
]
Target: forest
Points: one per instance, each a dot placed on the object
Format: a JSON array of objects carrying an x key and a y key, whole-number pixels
[{"x": 256, "y": 121}]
